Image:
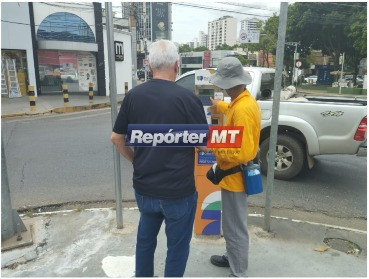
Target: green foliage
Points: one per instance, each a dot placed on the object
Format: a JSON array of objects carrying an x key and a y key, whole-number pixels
[
  {"x": 333, "y": 28},
  {"x": 357, "y": 32},
  {"x": 184, "y": 48},
  {"x": 201, "y": 48},
  {"x": 244, "y": 61},
  {"x": 224, "y": 47}
]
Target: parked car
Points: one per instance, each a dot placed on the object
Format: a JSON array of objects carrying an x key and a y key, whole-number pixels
[
  {"x": 359, "y": 79},
  {"x": 316, "y": 125},
  {"x": 311, "y": 79}
]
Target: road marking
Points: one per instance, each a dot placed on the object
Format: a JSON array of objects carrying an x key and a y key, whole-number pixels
[
  {"x": 83, "y": 116},
  {"x": 52, "y": 117},
  {"x": 118, "y": 267},
  {"x": 312, "y": 223},
  {"x": 251, "y": 215}
]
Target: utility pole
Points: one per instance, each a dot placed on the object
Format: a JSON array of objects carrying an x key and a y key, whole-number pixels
[
  {"x": 14, "y": 233},
  {"x": 132, "y": 25},
  {"x": 114, "y": 110},
  {"x": 343, "y": 61},
  {"x": 275, "y": 112},
  {"x": 144, "y": 35}
]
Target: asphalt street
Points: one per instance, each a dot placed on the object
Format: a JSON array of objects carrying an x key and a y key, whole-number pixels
[{"x": 56, "y": 159}]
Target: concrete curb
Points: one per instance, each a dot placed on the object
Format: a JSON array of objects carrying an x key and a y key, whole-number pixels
[
  {"x": 80, "y": 108},
  {"x": 59, "y": 110}
]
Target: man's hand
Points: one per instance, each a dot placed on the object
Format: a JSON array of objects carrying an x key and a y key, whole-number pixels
[
  {"x": 120, "y": 143},
  {"x": 214, "y": 103},
  {"x": 204, "y": 149}
]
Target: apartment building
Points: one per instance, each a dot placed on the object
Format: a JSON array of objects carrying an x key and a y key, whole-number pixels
[
  {"x": 203, "y": 39},
  {"x": 222, "y": 31},
  {"x": 250, "y": 24}
]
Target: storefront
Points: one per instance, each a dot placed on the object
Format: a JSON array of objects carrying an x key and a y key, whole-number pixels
[
  {"x": 68, "y": 46},
  {"x": 15, "y": 82},
  {"x": 17, "y": 59},
  {"x": 73, "y": 68}
]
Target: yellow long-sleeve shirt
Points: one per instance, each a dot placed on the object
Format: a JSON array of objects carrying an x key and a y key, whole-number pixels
[{"x": 243, "y": 111}]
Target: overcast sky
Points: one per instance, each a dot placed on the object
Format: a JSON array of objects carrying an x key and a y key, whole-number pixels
[{"x": 188, "y": 21}]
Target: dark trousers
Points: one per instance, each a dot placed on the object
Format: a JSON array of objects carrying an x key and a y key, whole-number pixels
[{"x": 178, "y": 216}]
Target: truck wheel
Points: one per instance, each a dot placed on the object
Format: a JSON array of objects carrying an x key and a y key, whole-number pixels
[{"x": 289, "y": 159}]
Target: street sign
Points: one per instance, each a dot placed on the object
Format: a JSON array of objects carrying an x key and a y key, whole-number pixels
[
  {"x": 249, "y": 36},
  {"x": 298, "y": 64}
]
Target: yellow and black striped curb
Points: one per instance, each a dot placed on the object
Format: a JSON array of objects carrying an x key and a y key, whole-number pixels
[
  {"x": 32, "y": 98},
  {"x": 91, "y": 93},
  {"x": 59, "y": 110},
  {"x": 65, "y": 95}
]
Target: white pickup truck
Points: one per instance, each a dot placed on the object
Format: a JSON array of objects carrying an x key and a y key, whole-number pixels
[{"x": 312, "y": 126}]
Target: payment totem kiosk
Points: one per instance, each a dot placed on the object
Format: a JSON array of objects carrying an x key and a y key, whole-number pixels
[{"x": 208, "y": 212}]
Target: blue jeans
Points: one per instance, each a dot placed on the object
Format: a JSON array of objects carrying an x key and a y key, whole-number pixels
[{"x": 179, "y": 217}]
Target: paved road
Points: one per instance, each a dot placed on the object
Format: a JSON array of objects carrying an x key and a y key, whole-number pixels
[{"x": 64, "y": 158}]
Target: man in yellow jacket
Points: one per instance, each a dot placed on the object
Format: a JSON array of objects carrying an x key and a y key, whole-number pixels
[{"x": 242, "y": 111}]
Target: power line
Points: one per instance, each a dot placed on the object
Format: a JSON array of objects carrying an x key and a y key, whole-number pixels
[
  {"x": 76, "y": 27},
  {"x": 217, "y": 9},
  {"x": 245, "y": 6}
]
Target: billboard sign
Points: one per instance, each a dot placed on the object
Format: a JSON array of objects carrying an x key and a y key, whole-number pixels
[{"x": 160, "y": 21}]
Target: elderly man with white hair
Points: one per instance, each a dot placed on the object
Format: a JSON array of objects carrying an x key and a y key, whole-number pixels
[{"x": 163, "y": 178}]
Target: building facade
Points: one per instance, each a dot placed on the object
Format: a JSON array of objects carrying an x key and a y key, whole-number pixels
[
  {"x": 53, "y": 44},
  {"x": 203, "y": 39},
  {"x": 17, "y": 49},
  {"x": 222, "y": 31},
  {"x": 123, "y": 66},
  {"x": 202, "y": 59},
  {"x": 250, "y": 24},
  {"x": 153, "y": 21},
  {"x": 70, "y": 46}
]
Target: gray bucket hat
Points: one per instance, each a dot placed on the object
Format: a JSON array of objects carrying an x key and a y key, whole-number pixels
[{"x": 230, "y": 73}]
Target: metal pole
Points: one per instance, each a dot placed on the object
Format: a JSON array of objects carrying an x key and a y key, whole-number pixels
[
  {"x": 134, "y": 56},
  {"x": 144, "y": 35},
  {"x": 343, "y": 61},
  {"x": 294, "y": 65},
  {"x": 275, "y": 112},
  {"x": 114, "y": 110},
  {"x": 7, "y": 221}
]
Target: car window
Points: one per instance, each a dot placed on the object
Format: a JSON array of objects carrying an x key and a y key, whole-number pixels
[
  {"x": 267, "y": 81},
  {"x": 187, "y": 82}
]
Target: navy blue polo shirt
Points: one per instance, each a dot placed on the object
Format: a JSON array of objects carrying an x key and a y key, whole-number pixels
[{"x": 161, "y": 172}]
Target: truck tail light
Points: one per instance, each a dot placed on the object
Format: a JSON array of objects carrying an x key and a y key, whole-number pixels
[{"x": 361, "y": 130}]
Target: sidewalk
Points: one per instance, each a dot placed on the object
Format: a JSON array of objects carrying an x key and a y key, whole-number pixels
[
  {"x": 87, "y": 244},
  {"x": 11, "y": 107}
]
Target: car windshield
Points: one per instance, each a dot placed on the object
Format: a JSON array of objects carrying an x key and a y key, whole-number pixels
[{"x": 187, "y": 82}]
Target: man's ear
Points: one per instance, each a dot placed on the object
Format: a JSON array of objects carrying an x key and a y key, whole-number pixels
[{"x": 176, "y": 66}]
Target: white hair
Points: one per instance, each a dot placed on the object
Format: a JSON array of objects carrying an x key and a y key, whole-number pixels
[{"x": 163, "y": 54}]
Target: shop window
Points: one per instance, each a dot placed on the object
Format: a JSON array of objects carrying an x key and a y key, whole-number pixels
[
  {"x": 21, "y": 71},
  {"x": 73, "y": 68},
  {"x": 65, "y": 27}
]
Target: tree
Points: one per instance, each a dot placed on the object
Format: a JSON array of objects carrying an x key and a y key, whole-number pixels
[
  {"x": 201, "y": 48},
  {"x": 357, "y": 33},
  {"x": 323, "y": 26},
  {"x": 244, "y": 61},
  {"x": 357, "y": 30},
  {"x": 224, "y": 47},
  {"x": 184, "y": 48}
]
